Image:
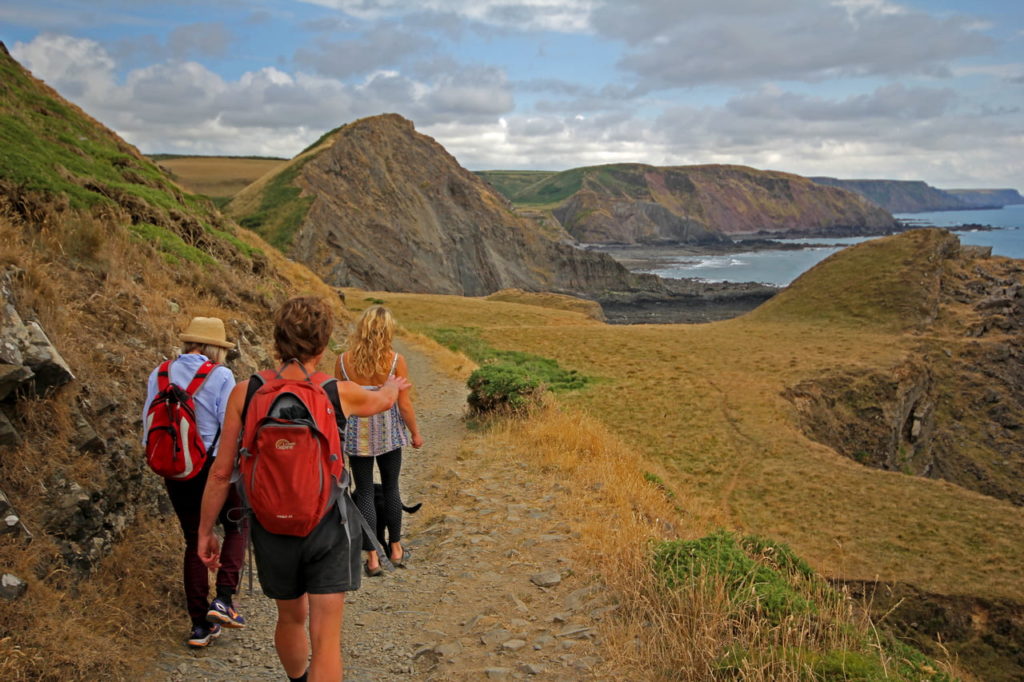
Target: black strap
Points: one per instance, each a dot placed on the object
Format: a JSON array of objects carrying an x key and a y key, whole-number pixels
[
  {"x": 345, "y": 500},
  {"x": 255, "y": 381},
  {"x": 330, "y": 386}
]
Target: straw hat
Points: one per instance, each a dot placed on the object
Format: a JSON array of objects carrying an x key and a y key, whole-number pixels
[{"x": 206, "y": 330}]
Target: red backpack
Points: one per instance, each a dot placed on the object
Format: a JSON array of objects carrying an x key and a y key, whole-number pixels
[
  {"x": 174, "y": 448},
  {"x": 290, "y": 459}
]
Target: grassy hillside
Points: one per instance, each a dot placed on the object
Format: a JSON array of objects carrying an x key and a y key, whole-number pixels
[
  {"x": 901, "y": 293},
  {"x": 510, "y": 183},
  {"x": 273, "y": 206},
  {"x": 111, "y": 258}
]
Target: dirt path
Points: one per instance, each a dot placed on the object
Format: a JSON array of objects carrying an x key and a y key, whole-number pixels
[{"x": 488, "y": 593}]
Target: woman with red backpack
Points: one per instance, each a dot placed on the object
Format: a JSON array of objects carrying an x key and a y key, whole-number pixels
[
  {"x": 185, "y": 461},
  {"x": 279, "y": 429}
]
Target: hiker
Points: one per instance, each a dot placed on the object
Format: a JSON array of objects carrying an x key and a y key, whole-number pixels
[
  {"x": 306, "y": 574},
  {"x": 370, "y": 361},
  {"x": 204, "y": 351}
]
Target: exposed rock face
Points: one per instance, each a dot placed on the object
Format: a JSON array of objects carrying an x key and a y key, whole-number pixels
[
  {"x": 391, "y": 209},
  {"x": 954, "y": 411},
  {"x": 638, "y": 204},
  {"x": 900, "y": 196},
  {"x": 27, "y": 358}
]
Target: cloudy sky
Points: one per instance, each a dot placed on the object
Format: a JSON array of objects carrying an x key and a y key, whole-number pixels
[{"x": 908, "y": 89}]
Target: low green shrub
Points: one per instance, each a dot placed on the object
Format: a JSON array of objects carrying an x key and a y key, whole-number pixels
[
  {"x": 502, "y": 387},
  {"x": 759, "y": 576}
]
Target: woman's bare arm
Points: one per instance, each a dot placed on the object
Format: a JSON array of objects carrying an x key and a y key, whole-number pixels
[
  {"x": 405, "y": 405},
  {"x": 219, "y": 481}
]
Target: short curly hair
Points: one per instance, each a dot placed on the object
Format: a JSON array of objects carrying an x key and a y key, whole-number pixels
[{"x": 302, "y": 328}]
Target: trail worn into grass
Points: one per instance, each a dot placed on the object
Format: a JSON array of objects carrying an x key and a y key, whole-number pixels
[{"x": 489, "y": 592}]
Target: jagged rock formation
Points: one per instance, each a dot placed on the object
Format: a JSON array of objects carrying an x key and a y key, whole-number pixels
[
  {"x": 953, "y": 410},
  {"x": 377, "y": 205},
  {"x": 987, "y": 198},
  {"x": 640, "y": 204},
  {"x": 900, "y": 196}
]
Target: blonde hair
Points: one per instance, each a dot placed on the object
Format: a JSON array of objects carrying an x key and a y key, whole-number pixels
[
  {"x": 216, "y": 353},
  {"x": 369, "y": 344}
]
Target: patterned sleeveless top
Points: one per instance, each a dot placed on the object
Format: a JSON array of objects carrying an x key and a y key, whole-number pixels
[{"x": 372, "y": 436}]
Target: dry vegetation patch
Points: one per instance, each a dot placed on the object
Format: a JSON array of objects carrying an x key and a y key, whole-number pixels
[{"x": 218, "y": 176}]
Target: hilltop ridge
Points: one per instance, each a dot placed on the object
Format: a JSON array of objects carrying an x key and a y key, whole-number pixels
[
  {"x": 376, "y": 204},
  {"x": 633, "y": 203}
]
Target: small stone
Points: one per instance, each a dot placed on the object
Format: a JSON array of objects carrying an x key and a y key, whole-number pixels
[
  {"x": 542, "y": 641},
  {"x": 448, "y": 649},
  {"x": 546, "y": 579},
  {"x": 531, "y": 669},
  {"x": 513, "y": 644},
  {"x": 423, "y": 651},
  {"x": 495, "y": 637},
  {"x": 576, "y": 632},
  {"x": 12, "y": 587},
  {"x": 183, "y": 668},
  {"x": 497, "y": 673}
]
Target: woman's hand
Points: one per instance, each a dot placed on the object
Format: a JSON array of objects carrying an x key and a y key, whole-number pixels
[
  {"x": 417, "y": 441},
  {"x": 400, "y": 383},
  {"x": 209, "y": 550}
]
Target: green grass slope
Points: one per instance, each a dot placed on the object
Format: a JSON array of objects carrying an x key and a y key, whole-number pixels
[
  {"x": 510, "y": 183},
  {"x": 901, "y": 291}
]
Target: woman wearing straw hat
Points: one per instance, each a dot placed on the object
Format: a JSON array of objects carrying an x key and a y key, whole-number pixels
[{"x": 204, "y": 340}]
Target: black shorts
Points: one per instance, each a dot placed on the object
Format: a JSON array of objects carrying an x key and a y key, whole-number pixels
[{"x": 324, "y": 562}]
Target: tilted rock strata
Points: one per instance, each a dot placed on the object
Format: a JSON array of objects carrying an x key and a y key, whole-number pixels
[
  {"x": 637, "y": 204},
  {"x": 392, "y": 210}
]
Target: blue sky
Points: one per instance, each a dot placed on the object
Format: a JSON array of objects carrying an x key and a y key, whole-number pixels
[{"x": 919, "y": 89}]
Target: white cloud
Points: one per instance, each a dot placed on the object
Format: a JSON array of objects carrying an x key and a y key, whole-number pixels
[
  {"x": 569, "y": 16},
  {"x": 741, "y": 41},
  {"x": 184, "y": 106}
]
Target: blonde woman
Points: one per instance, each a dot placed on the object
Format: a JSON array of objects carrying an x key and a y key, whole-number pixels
[{"x": 369, "y": 362}]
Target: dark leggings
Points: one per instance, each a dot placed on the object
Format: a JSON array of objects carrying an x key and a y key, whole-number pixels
[
  {"x": 390, "y": 465},
  {"x": 186, "y": 498}
]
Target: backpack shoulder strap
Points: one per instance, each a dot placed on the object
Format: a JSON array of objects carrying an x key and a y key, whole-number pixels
[
  {"x": 255, "y": 382},
  {"x": 204, "y": 371},
  {"x": 330, "y": 386},
  {"x": 163, "y": 375}
]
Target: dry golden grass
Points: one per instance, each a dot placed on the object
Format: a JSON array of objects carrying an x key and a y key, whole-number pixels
[
  {"x": 704, "y": 402},
  {"x": 218, "y": 176},
  {"x": 661, "y": 634},
  {"x": 113, "y": 307},
  {"x": 591, "y": 309}
]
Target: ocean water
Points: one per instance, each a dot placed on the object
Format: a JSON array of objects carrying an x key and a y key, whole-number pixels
[{"x": 782, "y": 267}]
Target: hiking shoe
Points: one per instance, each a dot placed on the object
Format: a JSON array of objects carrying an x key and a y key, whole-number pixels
[
  {"x": 225, "y": 614},
  {"x": 202, "y": 636}
]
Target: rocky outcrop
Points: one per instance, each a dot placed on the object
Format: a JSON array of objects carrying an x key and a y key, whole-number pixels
[
  {"x": 953, "y": 410},
  {"x": 983, "y": 634},
  {"x": 389, "y": 208},
  {"x": 900, "y": 196},
  {"x": 28, "y": 361},
  {"x": 639, "y": 204}
]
